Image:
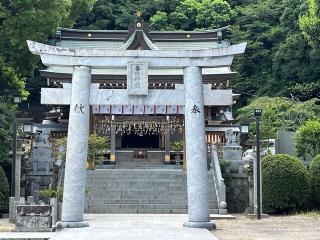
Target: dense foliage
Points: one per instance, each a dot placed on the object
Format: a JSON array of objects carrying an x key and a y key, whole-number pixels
[
  {"x": 308, "y": 139},
  {"x": 279, "y": 113},
  {"x": 310, "y": 24},
  {"x": 286, "y": 184},
  {"x": 315, "y": 180},
  {"x": 21, "y": 20},
  {"x": 4, "y": 192},
  {"x": 278, "y": 61},
  {"x": 278, "y": 57}
]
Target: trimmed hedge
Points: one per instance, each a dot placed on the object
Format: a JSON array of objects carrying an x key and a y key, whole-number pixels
[
  {"x": 315, "y": 180},
  {"x": 285, "y": 184},
  {"x": 4, "y": 192}
]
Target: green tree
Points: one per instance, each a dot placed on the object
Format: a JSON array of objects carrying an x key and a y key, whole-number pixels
[
  {"x": 214, "y": 14},
  {"x": 279, "y": 113},
  {"x": 97, "y": 145},
  {"x": 310, "y": 24},
  {"x": 308, "y": 139},
  {"x": 4, "y": 192},
  {"x": 7, "y": 112},
  {"x": 306, "y": 91},
  {"x": 294, "y": 63},
  {"x": 118, "y": 14},
  {"x": 257, "y": 23},
  {"x": 193, "y": 14},
  {"x": 34, "y": 20},
  {"x": 21, "y": 20},
  {"x": 277, "y": 56}
]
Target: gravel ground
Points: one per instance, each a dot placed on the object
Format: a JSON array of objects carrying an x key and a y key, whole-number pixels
[
  {"x": 295, "y": 227},
  {"x": 5, "y": 226}
]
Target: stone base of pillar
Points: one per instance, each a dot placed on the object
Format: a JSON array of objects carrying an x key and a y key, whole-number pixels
[
  {"x": 207, "y": 225},
  {"x": 62, "y": 225},
  {"x": 12, "y": 210}
]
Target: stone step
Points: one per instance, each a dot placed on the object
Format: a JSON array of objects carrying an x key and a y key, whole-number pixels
[
  {"x": 141, "y": 206},
  {"x": 132, "y": 209},
  {"x": 134, "y": 197},
  {"x": 100, "y": 194},
  {"x": 144, "y": 211},
  {"x": 140, "y": 185},
  {"x": 140, "y": 191},
  {"x": 141, "y": 201}
]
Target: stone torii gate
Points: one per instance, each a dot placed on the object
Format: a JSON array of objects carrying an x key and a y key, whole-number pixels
[{"x": 193, "y": 94}]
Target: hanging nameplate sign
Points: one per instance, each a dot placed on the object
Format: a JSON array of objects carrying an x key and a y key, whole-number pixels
[{"x": 137, "y": 78}]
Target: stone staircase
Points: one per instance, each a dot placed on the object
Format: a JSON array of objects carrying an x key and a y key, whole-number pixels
[{"x": 155, "y": 190}]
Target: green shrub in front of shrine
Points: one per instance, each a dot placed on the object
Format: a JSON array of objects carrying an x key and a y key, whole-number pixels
[
  {"x": 315, "y": 181},
  {"x": 4, "y": 192},
  {"x": 285, "y": 184}
]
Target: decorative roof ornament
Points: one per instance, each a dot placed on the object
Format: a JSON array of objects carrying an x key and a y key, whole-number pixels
[{"x": 139, "y": 35}]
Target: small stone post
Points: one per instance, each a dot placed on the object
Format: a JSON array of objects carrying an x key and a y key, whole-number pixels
[
  {"x": 12, "y": 210},
  {"x": 17, "y": 175},
  {"x": 54, "y": 212},
  {"x": 196, "y": 151},
  {"x": 30, "y": 200},
  {"x": 77, "y": 150}
]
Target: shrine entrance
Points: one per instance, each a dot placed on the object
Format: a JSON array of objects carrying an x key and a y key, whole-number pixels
[
  {"x": 139, "y": 141},
  {"x": 193, "y": 94}
]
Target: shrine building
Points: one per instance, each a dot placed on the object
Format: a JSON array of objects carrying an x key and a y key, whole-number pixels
[{"x": 143, "y": 135}]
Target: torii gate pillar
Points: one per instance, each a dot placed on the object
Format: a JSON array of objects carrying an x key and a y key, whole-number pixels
[
  {"x": 196, "y": 151},
  {"x": 77, "y": 150}
]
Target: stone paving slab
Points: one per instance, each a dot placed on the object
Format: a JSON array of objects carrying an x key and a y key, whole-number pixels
[
  {"x": 24, "y": 235},
  {"x": 123, "y": 226},
  {"x": 135, "y": 227}
]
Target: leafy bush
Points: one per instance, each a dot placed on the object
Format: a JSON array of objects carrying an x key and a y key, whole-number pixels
[
  {"x": 285, "y": 184},
  {"x": 96, "y": 147},
  {"x": 308, "y": 139},
  {"x": 315, "y": 180},
  {"x": 177, "y": 146},
  {"x": 52, "y": 193},
  {"x": 278, "y": 112},
  {"x": 4, "y": 192}
]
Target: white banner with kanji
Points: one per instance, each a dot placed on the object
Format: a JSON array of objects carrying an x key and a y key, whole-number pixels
[
  {"x": 149, "y": 109},
  {"x": 105, "y": 109},
  {"x": 161, "y": 109},
  {"x": 137, "y": 109},
  {"x": 128, "y": 110},
  {"x": 172, "y": 109},
  {"x": 116, "y": 109}
]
